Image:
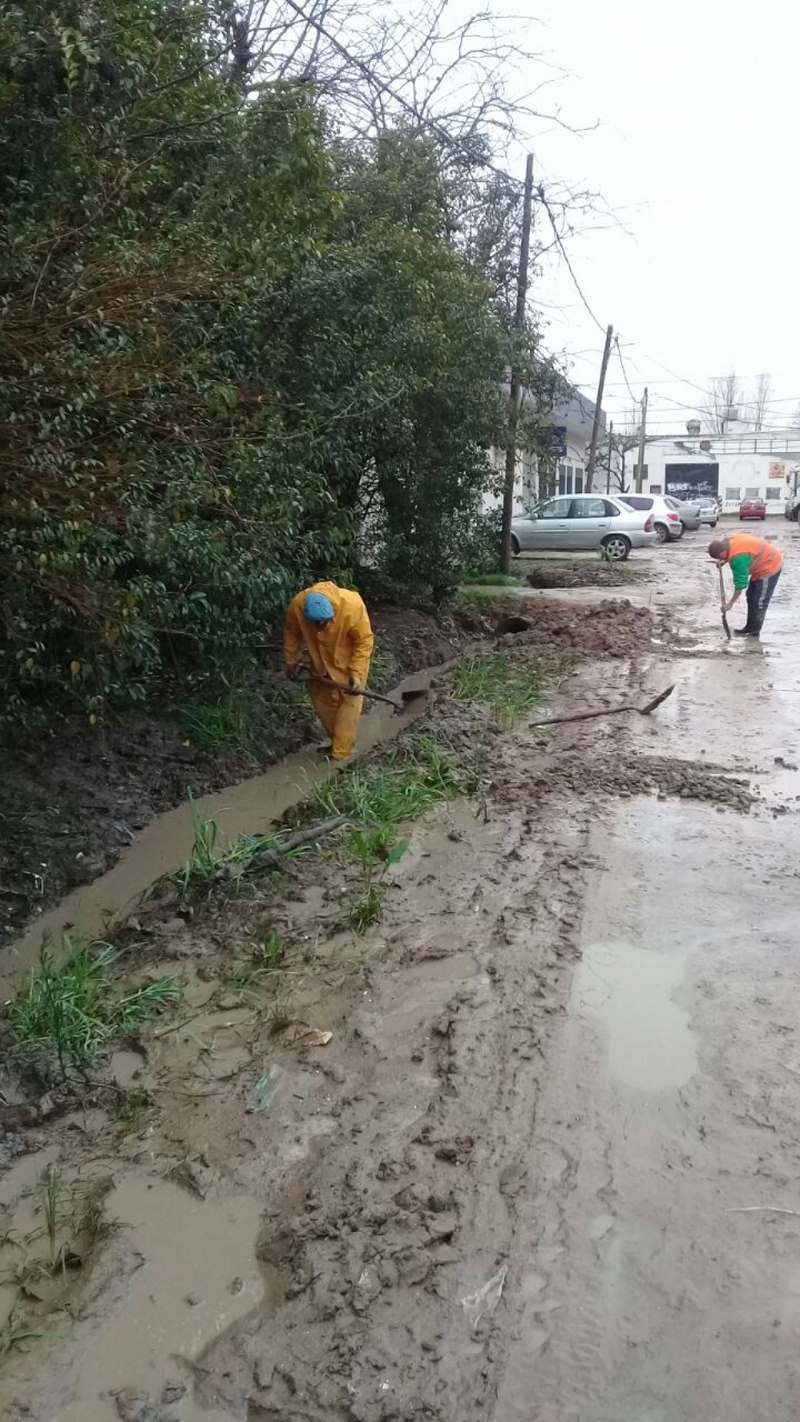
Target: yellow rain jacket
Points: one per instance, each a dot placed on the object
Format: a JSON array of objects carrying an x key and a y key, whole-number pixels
[{"x": 341, "y": 651}]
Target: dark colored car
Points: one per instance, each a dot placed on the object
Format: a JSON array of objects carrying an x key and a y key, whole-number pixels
[{"x": 752, "y": 508}]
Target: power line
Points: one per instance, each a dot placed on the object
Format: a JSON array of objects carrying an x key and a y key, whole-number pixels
[
  {"x": 708, "y": 394},
  {"x": 563, "y": 251},
  {"x": 624, "y": 371}
]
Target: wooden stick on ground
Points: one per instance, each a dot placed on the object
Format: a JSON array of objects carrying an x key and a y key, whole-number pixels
[
  {"x": 273, "y": 856},
  {"x": 607, "y": 711}
]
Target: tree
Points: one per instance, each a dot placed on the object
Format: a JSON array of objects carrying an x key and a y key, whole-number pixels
[
  {"x": 725, "y": 399},
  {"x": 619, "y": 445},
  {"x": 226, "y": 338},
  {"x": 388, "y": 64},
  {"x": 760, "y": 400}
]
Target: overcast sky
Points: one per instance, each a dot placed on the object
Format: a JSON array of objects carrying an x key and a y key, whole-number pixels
[{"x": 698, "y": 105}]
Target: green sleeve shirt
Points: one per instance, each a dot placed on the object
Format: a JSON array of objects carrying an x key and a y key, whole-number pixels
[{"x": 740, "y": 567}]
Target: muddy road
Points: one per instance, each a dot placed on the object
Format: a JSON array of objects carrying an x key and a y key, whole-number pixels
[{"x": 546, "y": 1170}]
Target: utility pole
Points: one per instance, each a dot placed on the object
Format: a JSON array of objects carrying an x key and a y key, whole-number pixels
[
  {"x": 610, "y": 452},
  {"x": 598, "y": 411},
  {"x": 514, "y": 393},
  {"x": 642, "y": 433}
]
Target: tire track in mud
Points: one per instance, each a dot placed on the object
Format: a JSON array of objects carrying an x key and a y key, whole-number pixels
[
  {"x": 431, "y": 1185},
  {"x": 415, "y": 1204}
]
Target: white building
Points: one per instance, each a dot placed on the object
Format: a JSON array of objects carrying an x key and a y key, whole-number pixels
[
  {"x": 571, "y": 424},
  {"x": 731, "y": 467}
]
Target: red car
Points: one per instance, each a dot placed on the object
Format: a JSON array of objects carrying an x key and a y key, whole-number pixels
[{"x": 752, "y": 508}]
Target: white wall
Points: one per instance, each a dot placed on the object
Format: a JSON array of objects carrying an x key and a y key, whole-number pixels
[
  {"x": 742, "y": 474},
  {"x": 525, "y": 483}
]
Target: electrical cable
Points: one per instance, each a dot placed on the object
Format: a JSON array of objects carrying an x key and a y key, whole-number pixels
[{"x": 563, "y": 251}]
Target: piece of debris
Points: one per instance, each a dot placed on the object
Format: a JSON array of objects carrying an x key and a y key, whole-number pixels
[
  {"x": 193, "y": 1176},
  {"x": 315, "y": 1038},
  {"x": 485, "y": 1300},
  {"x": 266, "y": 1089}
]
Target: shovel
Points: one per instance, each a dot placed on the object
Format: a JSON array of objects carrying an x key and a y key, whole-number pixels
[
  {"x": 407, "y": 698},
  {"x": 608, "y": 711},
  {"x": 722, "y": 598}
]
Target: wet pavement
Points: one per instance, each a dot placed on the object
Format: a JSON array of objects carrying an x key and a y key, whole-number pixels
[{"x": 668, "y": 1281}]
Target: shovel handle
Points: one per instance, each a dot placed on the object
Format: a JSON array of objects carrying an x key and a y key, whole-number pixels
[
  {"x": 725, "y": 626},
  {"x": 353, "y": 691}
]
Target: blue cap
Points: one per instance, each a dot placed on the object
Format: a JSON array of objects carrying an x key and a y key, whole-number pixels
[{"x": 318, "y": 608}]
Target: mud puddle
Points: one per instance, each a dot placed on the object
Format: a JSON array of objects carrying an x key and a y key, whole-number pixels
[
  {"x": 631, "y": 992},
  {"x": 185, "y": 1271}
]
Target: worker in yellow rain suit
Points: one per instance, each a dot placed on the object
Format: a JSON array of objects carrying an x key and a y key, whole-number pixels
[{"x": 333, "y": 626}]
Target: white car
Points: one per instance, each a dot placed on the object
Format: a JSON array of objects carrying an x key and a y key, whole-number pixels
[
  {"x": 664, "y": 511},
  {"x": 576, "y": 521}
]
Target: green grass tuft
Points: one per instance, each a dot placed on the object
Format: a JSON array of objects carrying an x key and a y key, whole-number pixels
[
  {"x": 367, "y": 910},
  {"x": 74, "y": 1010},
  {"x": 510, "y": 684},
  {"x": 225, "y": 723},
  {"x": 405, "y": 783}
]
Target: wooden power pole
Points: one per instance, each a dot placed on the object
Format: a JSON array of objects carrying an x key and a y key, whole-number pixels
[
  {"x": 514, "y": 393},
  {"x": 642, "y": 435},
  {"x": 598, "y": 411}
]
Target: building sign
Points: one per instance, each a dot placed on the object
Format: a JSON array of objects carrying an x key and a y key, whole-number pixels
[
  {"x": 558, "y": 440},
  {"x": 777, "y": 472},
  {"x": 692, "y": 481}
]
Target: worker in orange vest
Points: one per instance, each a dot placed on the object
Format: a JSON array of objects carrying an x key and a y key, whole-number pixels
[
  {"x": 756, "y": 566},
  {"x": 331, "y": 625}
]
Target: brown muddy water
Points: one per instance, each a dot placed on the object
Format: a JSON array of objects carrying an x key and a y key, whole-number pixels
[{"x": 165, "y": 845}]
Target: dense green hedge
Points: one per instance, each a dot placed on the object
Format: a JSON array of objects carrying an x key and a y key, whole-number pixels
[{"x": 228, "y": 346}]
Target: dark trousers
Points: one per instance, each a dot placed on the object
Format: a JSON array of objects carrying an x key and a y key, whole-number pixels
[{"x": 759, "y": 595}]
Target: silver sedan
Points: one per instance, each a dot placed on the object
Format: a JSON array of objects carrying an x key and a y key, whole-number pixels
[{"x": 580, "y": 521}]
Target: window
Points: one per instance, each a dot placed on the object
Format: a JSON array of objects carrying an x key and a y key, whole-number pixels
[
  {"x": 562, "y": 478},
  {"x": 578, "y": 481},
  {"x": 637, "y": 501},
  {"x": 655, "y": 488},
  {"x": 751, "y": 493},
  {"x": 733, "y": 494},
  {"x": 774, "y": 491},
  {"x": 588, "y": 508},
  {"x": 556, "y": 508}
]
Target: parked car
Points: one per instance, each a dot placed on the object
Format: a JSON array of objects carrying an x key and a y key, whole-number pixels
[
  {"x": 688, "y": 511},
  {"x": 579, "y": 521},
  {"x": 667, "y": 524},
  {"x": 709, "y": 512},
  {"x": 752, "y": 508}
]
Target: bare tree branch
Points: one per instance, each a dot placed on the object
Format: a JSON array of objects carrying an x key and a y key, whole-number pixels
[
  {"x": 383, "y": 64},
  {"x": 723, "y": 404},
  {"x": 759, "y": 403}
]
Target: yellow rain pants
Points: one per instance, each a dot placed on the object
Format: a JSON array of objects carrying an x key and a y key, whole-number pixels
[{"x": 340, "y": 651}]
